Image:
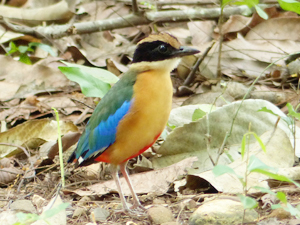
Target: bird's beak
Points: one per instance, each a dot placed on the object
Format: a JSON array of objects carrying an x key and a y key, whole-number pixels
[{"x": 184, "y": 50}]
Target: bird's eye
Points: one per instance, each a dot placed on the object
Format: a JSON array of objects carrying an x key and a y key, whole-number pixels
[{"x": 162, "y": 48}]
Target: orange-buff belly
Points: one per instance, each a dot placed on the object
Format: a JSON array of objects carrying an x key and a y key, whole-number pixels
[
  {"x": 104, "y": 157},
  {"x": 145, "y": 120}
]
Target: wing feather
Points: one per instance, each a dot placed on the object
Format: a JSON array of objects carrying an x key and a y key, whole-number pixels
[{"x": 101, "y": 129}]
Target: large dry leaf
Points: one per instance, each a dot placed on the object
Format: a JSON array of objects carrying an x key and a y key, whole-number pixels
[
  {"x": 19, "y": 80},
  {"x": 235, "y": 23},
  {"x": 190, "y": 140},
  {"x": 54, "y": 13},
  {"x": 247, "y": 57},
  {"x": 268, "y": 30},
  {"x": 201, "y": 31},
  {"x": 156, "y": 181},
  {"x": 279, "y": 154},
  {"x": 32, "y": 134}
]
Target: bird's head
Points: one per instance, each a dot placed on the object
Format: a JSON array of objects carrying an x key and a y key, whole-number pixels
[{"x": 160, "y": 51}]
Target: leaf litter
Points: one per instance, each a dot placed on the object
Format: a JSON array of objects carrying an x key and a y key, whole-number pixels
[{"x": 27, "y": 93}]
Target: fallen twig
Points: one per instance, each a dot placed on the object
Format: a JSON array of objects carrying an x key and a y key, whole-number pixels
[{"x": 58, "y": 31}]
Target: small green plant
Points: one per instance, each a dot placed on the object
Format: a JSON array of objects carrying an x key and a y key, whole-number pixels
[
  {"x": 61, "y": 163},
  {"x": 24, "y": 51},
  {"x": 288, "y": 5},
  {"x": 289, "y": 119},
  {"x": 249, "y": 3},
  {"x": 29, "y": 218},
  {"x": 149, "y": 5},
  {"x": 255, "y": 165}
]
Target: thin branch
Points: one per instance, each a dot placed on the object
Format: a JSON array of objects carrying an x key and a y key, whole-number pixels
[
  {"x": 135, "y": 7},
  {"x": 17, "y": 146},
  {"x": 221, "y": 38},
  {"x": 191, "y": 77},
  {"x": 58, "y": 31},
  {"x": 185, "y": 2}
]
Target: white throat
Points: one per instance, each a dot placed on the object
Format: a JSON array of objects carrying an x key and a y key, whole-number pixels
[{"x": 167, "y": 64}]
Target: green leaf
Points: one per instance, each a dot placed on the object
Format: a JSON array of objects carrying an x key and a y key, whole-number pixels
[
  {"x": 275, "y": 176},
  {"x": 172, "y": 127},
  {"x": 262, "y": 145},
  {"x": 226, "y": 2},
  {"x": 27, "y": 217},
  {"x": 292, "y": 111},
  {"x": 290, "y": 5},
  {"x": 265, "y": 109},
  {"x": 198, "y": 114},
  {"x": 91, "y": 86},
  {"x": 101, "y": 74},
  {"x": 23, "y": 49},
  {"x": 243, "y": 145},
  {"x": 249, "y": 3},
  {"x": 256, "y": 164},
  {"x": 12, "y": 48},
  {"x": 281, "y": 196},
  {"x": 219, "y": 170},
  {"x": 45, "y": 47},
  {"x": 264, "y": 190},
  {"x": 276, "y": 206},
  {"x": 53, "y": 211},
  {"x": 248, "y": 202},
  {"x": 289, "y": 121},
  {"x": 261, "y": 12},
  {"x": 24, "y": 58},
  {"x": 294, "y": 211}
]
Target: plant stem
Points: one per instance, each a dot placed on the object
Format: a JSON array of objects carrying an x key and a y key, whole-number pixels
[{"x": 61, "y": 162}]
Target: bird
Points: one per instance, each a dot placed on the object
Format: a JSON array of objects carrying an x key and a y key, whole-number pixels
[{"x": 134, "y": 112}]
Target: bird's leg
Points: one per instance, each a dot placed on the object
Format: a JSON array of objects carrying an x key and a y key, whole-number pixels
[
  {"x": 136, "y": 202},
  {"x": 115, "y": 175}
]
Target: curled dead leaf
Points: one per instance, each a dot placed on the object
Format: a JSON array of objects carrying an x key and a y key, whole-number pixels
[
  {"x": 9, "y": 174},
  {"x": 32, "y": 134},
  {"x": 6, "y": 162},
  {"x": 67, "y": 140}
]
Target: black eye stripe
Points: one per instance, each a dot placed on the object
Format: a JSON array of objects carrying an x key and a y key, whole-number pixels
[{"x": 152, "y": 51}]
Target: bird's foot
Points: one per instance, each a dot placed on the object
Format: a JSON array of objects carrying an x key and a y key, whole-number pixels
[
  {"x": 138, "y": 207},
  {"x": 135, "y": 210}
]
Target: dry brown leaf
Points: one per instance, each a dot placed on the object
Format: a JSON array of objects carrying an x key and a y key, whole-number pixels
[
  {"x": 8, "y": 174},
  {"x": 268, "y": 30},
  {"x": 7, "y": 35},
  {"x": 156, "y": 181},
  {"x": 21, "y": 111},
  {"x": 247, "y": 57},
  {"x": 32, "y": 134},
  {"x": 62, "y": 103},
  {"x": 58, "y": 12},
  {"x": 236, "y": 23},
  {"x": 6, "y": 162},
  {"x": 20, "y": 80},
  {"x": 67, "y": 140},
  {"x": 98, "y": 10},
  {"x": 201, "y": 31}
]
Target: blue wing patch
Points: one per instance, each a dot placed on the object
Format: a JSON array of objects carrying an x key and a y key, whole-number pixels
[{"x": 103, "y": 135}]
